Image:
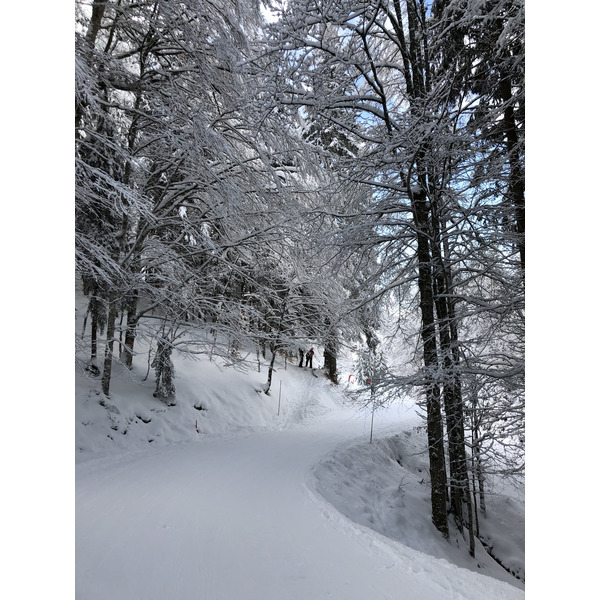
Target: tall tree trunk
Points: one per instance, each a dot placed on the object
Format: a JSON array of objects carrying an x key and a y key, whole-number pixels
[
  {"x": 94, "y": 339},
  {"x": 119, "y": 252},
  {"x": 478, "y": 476},
  {"x": 110, "y": 340},
  {"x": 95, "y": 22},
  {"x": 275, "y": 345},
  {"x": 475, "y": 509},
  {"x": 127, "y": 349},
  {"x": 516, "y": 179},
  {"x": 90, "y": 38},
  {"x": 414, "y": 57},
  {"x": 460, "y": 494},
  {"x": 435, "y": 428},
  {"x": 333, "y": 375},
  {"x": 330, "y": 353},
  {"x": 271, "y": 369}
]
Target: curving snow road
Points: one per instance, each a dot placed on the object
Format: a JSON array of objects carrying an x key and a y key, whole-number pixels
[{"x": 237, "y": 518}]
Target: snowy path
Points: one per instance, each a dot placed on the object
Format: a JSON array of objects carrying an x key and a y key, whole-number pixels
[{"x": 237, "y": 519}]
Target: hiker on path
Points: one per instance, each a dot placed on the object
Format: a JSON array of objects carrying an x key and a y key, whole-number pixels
[
  {"x": 309, "y": 357},
  {"x": 301, "y": 353}
]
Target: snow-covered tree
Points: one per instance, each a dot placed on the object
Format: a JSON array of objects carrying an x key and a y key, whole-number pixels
[
  {"x": 411, "y": 119},
  {"x": 197, "y": 196},
  {"x": 233, "y": 194},
  {"x": 165, "y": 171}
]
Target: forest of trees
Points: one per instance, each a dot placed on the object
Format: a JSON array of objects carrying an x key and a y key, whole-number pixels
[{"x": 248, "y": 185}]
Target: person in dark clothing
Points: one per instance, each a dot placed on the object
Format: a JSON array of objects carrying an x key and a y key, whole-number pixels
[
  {"x": 301, "y": 353},
  {"x": 309, "y": 357}
]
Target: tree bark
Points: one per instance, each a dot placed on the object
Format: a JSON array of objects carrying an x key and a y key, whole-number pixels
[
  {"x": 110, "y": 340},
  {"x": 271, "y": 369},
  {"x": 459, "y": 486},
  {"x": 435, "y": 428},
  {"x": 127, "y": 350},
  {"x": 94, "y": 338},
  {"x": 330, "y": 354},
  {"x": 275, "y": 345},
  {"x": 516, "y": 179},
  {"x": 95, "y": 22}
]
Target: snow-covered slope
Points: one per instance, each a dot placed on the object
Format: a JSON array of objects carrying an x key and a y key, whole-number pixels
[
  {"x": 211, "y": 399},
  {"x": 232, "y": 493}
]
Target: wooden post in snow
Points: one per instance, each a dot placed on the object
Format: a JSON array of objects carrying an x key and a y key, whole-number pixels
[{"x": 279, "y": 405}]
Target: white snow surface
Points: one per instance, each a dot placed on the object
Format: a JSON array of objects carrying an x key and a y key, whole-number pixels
[{"x": 221, "y": 497}]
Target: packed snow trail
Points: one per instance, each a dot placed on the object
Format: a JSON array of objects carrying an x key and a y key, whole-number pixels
[{"x": 237, "y": 518}]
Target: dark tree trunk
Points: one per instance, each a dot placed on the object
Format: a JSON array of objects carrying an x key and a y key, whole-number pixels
[
  {"x": 271, "y": 369},
  {"x": 128, "y": 345},
  {"x": 460, "y": 494},
  {"x": 275, "y": 345},
  {"x": 333, "y": 375},
  {"x": 478, "y": 476},
  {"x": 164, "y": 371},
  {"x": 127, "y": 351},
  {"x": 95, "y": 22},
  {"x": 516, "y": 178},
  {"x": 435, "y": 428},
  {"x": 415, "y": 59},
  {"x": 330, "y": 355},
  {"x": 110, "y": 340},
  {"x": 94, "y": 338}
]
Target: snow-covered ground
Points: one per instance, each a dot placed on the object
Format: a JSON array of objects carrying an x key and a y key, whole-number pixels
[{"x": 235, "y": 494}]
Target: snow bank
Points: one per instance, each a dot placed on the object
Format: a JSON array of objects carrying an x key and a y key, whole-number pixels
[
  {"x": 211, "y": 399},
  {"x": 385, "y": 486}
]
